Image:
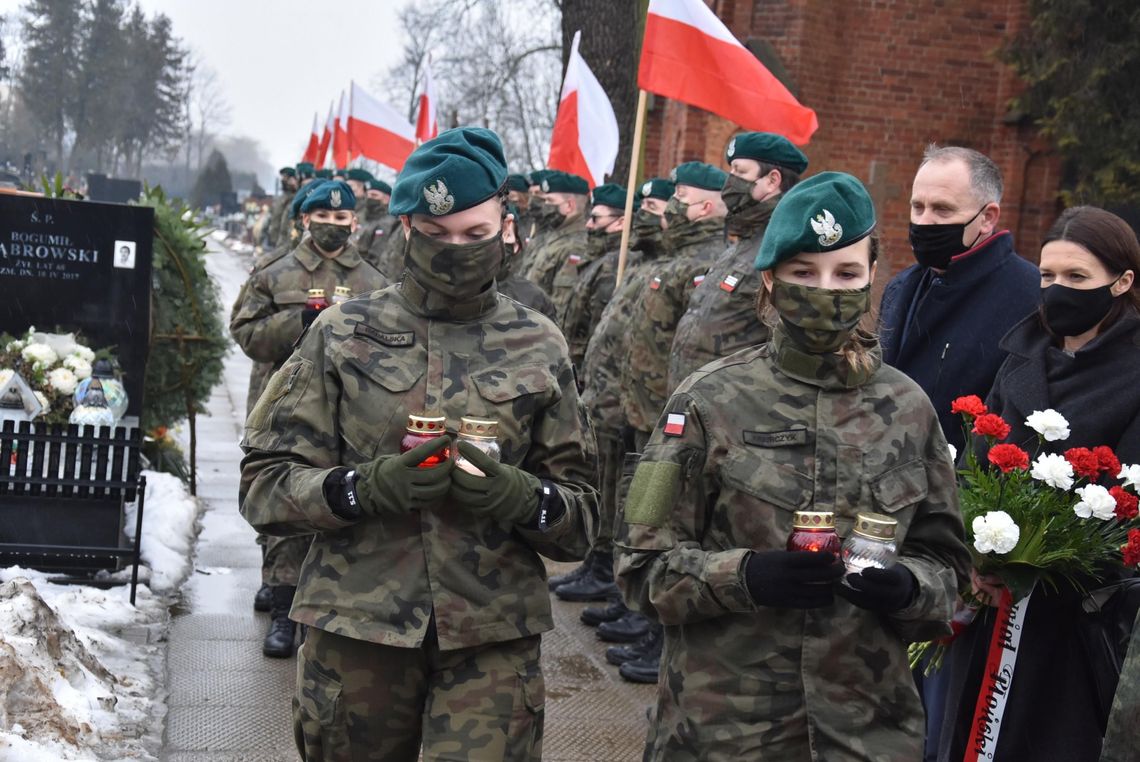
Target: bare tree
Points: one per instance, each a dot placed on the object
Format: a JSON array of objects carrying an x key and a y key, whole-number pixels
[{"x": 208, "y": 106}]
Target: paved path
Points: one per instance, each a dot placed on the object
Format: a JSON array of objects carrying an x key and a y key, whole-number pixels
[{"x": 228, "y": 703}]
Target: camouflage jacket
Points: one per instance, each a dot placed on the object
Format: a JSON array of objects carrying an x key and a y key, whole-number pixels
[
  {"x": 644, "y": 384},
  {"x": 591, "y": 294},
  {"x": 343, "y": 399},
  {"x": 721, "y": 317},
  {"x": 266, "y": 320},
  {"x": 570, "y": 271},
  {"x": 277, "y": 212},
  {"x": 527, "y": 294},
  {"x": 764, "y": 433},
  {"x": 607, "y": 352},
  {"x": 555, "y": 247}
]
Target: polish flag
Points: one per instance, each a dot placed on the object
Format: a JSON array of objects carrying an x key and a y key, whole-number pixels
[
  {"x": 326, "y": 138},
  {"x": 427, "y": 125},
  {"x": 340, "y": 141},
  {"x": 585, "y": 137},
  {"x": 314, "y": 143},
  {"x": 689, "y": 55},
  {"x": 378, "y": 132}
]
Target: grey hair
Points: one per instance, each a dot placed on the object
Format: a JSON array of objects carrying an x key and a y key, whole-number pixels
[{"x": 985, "y": 177}]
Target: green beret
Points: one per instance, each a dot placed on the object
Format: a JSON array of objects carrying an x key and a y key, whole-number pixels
[
  {"x": 518, "y": 183},
  {"x": 535, "y": 177},
  {"x": 564, "y": 182},
  {"x": 295, "y": 207},
  {"x": 287, "y": 171},
  {"x": 363, "y": 175},
  {"x": 305, "y": 169},
  {"x": 699, "y": 175},
  {"x": 380, "y": 185},
  {"x": 323, "y": 174},
  {"x": 332, "y": 194},
  {"x": 459, "y": 169},
  {"x": 610, "y": 194},
  {"x": 657, "y": 187},
  {"x": 767, "y": 147},
  {"x": 342, "y": 171},
  {"x": 825, "y": 212}
]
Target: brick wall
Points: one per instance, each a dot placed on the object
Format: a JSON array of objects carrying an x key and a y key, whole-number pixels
[{"x": 886, "y": 77}]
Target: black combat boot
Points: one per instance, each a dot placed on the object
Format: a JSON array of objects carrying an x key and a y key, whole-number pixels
[
  {"x": 611, "y": 612},
  {"x": 621, "y": 654},
  {"x": 646, "y": 668},
  {"x": 573, "y": 575},
  {"x": 279, "y": 640},
  {"x": 597, "y": 584},
  {"x": 630, "y": 628},
  {"x": 263, "y": 598}
]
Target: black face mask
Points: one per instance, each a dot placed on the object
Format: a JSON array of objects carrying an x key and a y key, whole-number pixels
[
  {"x": 1072, "y": 311},
  {"x": 935, "y": 245}
]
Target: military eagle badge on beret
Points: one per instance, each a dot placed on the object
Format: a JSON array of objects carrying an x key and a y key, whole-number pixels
[
  {"x": 731, "y": 148},
  {"x": 334, "y": 199},
  {"x": 545, "y": 186},
  {"x": 438, "y": 199},
  {"x": 827, "y": 228},
  {"x": 647, "y": 189}
]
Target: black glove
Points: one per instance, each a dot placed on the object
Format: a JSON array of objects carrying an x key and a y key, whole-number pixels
[
  {"x": 395, "y": 484},
  {"x": 792, "y": 579},
  {"x": 308, "y": 316},
  {"x": 506, "y": 493},
  {"x": 882, "y": 590}
]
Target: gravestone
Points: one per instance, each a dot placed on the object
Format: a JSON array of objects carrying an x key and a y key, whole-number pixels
[
  {"x": 80, "y": 266},
  {"x": 117, "y": 190}
]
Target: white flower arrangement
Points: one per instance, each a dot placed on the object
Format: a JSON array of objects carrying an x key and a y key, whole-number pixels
[
  {"x": 84, "y": 353},
  {"x": 1095, "y": 502},
  {"x": 996, "y": 532},
  {"x": 1050, "y": 424},
  {"x": 80, "y": 367},
  {"x": 39, "y": 355},
  {"x": 1130, "y": 475},
  {"x": 52, "y": 364},
  {"x": 1054, "y": 470},
  {"x": 62, "y": 380}
]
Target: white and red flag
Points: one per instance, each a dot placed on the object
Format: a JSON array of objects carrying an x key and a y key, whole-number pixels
[
  {"x": 326, "y": 138},
  {"x": 688, "y": 54},
  {"x": 340, "y": 141},
  {"x": 314, "y": 143},
  {"x": 377, "y": 131},
  {"x": 427, "y": 124},
  {"x": 585, "y": 137}
]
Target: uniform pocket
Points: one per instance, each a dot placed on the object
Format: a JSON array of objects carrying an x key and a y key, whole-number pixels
[
  {"x": 757, "y": 498},
  {"x": 896, "y": 493},
  {"x": 524, "y": 736},
  {"x": 375, "y": 382},
  {"x": 319, "y": 719},
  {"x": 514, "y": 397},
  {"x": 290, "y": 382}
]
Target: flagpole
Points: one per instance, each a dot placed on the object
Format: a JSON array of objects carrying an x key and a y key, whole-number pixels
[{"x": 634, "y": 160}]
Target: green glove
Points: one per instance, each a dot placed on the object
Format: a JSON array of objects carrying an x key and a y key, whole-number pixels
[
  {"x": 506, "y": 493},
  {"x": 395, "y": 485}
]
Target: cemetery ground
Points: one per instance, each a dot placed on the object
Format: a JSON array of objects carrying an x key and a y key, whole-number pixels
[{"x": 181, "y": 677}]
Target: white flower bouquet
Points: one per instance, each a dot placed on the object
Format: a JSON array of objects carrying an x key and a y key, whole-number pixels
[{"x": 53, "y": 364}]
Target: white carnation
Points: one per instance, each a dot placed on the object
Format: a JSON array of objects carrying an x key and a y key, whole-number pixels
[
  {"x": 14, "y": 346},
  {"x": 995, "y": 532},
  {"x": 40, "y": 355},
  {"x": 1054, "y": 470},
  {"x": 1095, "y": 502},
  {"x": 78, "y": 365},
  {"x": 1049, "y": 424},
  {"x": 1130, "y": 475},
  {"x": 953, "y": 453},
  {"x": 62, "y": 380},
  {"x": 84, "y": 353}
]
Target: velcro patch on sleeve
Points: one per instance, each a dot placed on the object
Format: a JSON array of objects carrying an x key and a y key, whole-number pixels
[{"x": 652, "y": 493}]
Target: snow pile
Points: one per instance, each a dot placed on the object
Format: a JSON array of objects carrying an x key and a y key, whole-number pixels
[{"x": 81, "y": 667}]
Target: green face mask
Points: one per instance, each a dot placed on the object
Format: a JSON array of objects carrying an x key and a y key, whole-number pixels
[
  {"x": 457, "y": 271},
  {"x": 329, "y": 236},
  {"x": 819, "y": 320},
  {"x": 737, "y": 194},
  {"x": 676, "y": 213},
  {"x": 596, "y": 242},
  {"x": 548, "y": 216},
  {"x": 376, "y": 208}
]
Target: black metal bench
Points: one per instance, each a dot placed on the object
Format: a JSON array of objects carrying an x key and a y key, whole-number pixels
[{"x": 63, "y": 491}]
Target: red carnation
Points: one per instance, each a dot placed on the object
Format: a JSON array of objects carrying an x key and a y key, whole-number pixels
[
  {"x": 1084, "y": 462},
  {"x": 1107, "y": 460},
  {"x": 1008, "y": 457},
  {"x": 990, "y": 425},
  {"x": 1131, "y": 551},
  {"x": 971, "y": 404},
  {"x": 1127, "y": 504}
]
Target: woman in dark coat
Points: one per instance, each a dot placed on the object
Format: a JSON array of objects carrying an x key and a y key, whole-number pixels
[{"x": 1079, "y": 354}]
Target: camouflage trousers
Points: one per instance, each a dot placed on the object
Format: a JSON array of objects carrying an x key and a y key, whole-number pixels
[
  {"x": 281, "y": 564},
  {"x": 610, "y": 453},
  {"x": 358, "y": 700}
]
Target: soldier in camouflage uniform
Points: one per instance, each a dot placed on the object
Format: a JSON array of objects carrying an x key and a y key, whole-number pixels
[
  {"x": 583, "y": 285},
  {"x": 288, "y": 179},
  {"x": 285, "y": 236},
  {"x": 721, "y": 317},
  {"x": 424, "y": 592},
  {"x": 694, "y": 236},
  {"x": 358, "y": 179},
  {"x": 768, "y": 655},
  {"x": 539, "y": 222},
  {"x": 518, "y": 195},
  {"x": 607, "y": 352},
  {"x": 267, "y": 322},
  {"x": 563, "y": 213},
  {"x": 511, "y": 284},
  {"x": 379, "y": 240}
]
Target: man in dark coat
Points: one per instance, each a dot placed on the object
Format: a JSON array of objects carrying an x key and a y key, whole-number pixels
[{"x": 942, "y": 317}]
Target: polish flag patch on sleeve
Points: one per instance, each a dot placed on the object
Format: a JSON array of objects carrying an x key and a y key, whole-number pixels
[
  {"x": 655, "y": 283},
  {"x": 675, "y": 425},
  {"x": 729, "y": 283},
  {"x": 698, "y": 280}
]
